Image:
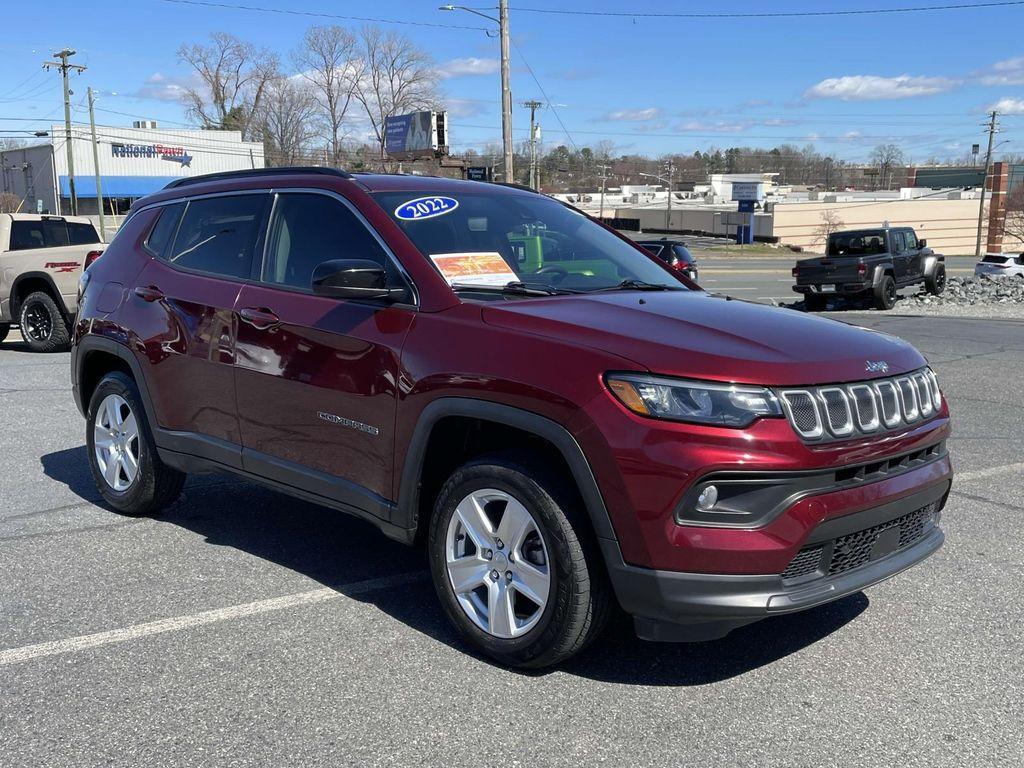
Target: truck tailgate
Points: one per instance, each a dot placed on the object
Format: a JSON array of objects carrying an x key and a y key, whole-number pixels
[{"x": 830, "y": 270}]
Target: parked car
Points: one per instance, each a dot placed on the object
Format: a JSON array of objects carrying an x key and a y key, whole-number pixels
[
  {"x": 1001, "y": 265},
  {"x": 561, "y": 420},
  {"x": 41, "y": 259},
  {"x": 673, "y": 253},
  {"x": 870, "y": 263}
]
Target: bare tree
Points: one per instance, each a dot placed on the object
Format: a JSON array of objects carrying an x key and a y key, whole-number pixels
[
  {"x": 12, "y": 143},
  {"x": 830, "y": 222},
  {"x": 396, "y": 77},
  {"x": 328, "y": 59},
  {"x": 887, "y": 157},
  {"x": 1013, "y": 224},
  {"x": 9, "y": 202},
  {"x": 234, "y": 75},
  {"x": 286, "y": 119}
]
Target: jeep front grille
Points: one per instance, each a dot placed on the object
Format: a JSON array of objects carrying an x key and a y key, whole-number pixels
[{"x": 840, "y": 411}]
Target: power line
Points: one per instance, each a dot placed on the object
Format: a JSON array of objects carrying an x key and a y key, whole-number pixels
[
  {"x": 322, "y": 14},
  {"x": 773, "y": 14}
]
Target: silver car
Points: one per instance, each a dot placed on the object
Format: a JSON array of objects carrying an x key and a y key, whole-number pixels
[{"x": 1001, "y": 265}]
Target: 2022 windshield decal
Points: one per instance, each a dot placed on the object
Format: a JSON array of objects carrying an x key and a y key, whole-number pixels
[{"x": 426, "y": 208}]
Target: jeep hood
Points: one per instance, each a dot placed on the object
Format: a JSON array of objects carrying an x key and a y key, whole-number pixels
[{"x": 698, "y": 335}]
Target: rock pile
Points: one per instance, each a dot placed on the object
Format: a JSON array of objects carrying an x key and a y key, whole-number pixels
[{"x": 971, "y": 291}]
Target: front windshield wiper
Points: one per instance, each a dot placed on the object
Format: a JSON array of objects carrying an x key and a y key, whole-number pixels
[
  {"x": 638, "y": 285},
  {"x": 515, "y": 288}
]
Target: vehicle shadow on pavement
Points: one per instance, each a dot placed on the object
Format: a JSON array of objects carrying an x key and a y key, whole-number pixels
[{"x": 338, "y": 551}]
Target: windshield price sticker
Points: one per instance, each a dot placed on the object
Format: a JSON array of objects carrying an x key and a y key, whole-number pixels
[
  {"x": 484, "y": 268},
  {"x": 426, "y": 208}
]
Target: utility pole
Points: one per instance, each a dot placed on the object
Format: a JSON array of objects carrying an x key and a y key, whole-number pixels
[
  {"x": 96, "y": 167},
  {"x": 64, "y": 66},
  {"x": 668, "y": 211},
  {"x": 533, "y": 106},
  {"x": 604, "y": 179},
  {"x": 506, "y": 91},
  {"x": 992, "y": 129}
]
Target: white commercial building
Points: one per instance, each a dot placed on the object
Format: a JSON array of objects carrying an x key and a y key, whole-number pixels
[{"x": 133, "y": 162}]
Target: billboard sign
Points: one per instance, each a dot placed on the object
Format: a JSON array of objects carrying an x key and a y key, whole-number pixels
[
  {"x": 419, "y": 134},
  {"x": 748, "y": 190}
]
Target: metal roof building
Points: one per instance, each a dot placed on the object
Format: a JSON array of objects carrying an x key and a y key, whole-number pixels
[{"x": 133, "y": 162}]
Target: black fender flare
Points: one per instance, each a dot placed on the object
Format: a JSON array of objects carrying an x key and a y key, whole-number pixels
[
  {"x": 932, "y": 261},
  {"x": 54, "y": 293},
  {"x": 92, "y": 343},
  {"x": 407, "y": 511}
]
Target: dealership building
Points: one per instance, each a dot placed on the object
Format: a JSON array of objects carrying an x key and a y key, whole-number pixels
[{"x": 133, "y": 162}]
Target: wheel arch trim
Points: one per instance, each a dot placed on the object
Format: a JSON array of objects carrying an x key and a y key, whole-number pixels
[
  {"x": 407, "y": 512},
  {"x": 36, "y": 275}
]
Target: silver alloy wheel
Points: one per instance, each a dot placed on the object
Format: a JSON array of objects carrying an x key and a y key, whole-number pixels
[
  {"x": 116, "y": 443},
  {"x": 498, "y": 563}
]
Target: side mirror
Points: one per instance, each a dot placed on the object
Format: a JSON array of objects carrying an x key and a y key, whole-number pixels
[
  {"x": 353, "y": 279},
  {"x": 922, "y": 243}
]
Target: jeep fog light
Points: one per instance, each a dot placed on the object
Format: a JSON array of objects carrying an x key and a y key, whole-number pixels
[{"x": 708, "y": 498}]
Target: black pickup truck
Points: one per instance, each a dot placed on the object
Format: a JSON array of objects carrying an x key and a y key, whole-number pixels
[{"x": 873, "y": 263}]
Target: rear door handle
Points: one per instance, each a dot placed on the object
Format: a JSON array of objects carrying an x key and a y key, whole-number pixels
[
  {"x": 259, "y": 318},
  {"x": 149, "y": 293}
]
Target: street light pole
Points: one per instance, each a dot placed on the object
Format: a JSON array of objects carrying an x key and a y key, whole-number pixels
[
  {"x": 96, "y": 167},
  {"x": 506, "y": 91},
  {"x": 506, "y": 80}
]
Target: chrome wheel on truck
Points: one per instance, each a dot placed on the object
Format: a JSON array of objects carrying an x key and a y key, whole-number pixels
[{"x": 498, "y": 563}]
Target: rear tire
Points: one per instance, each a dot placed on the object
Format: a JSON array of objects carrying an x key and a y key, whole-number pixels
[
  {"x": 558, "y": 546},
  {"x": 885, "y": 293},
  {"x": 42, "y": 324},
  {"x": 122, "y": 454},
  {"x": 935, "y": 283},
  {"x": 814, "y": 303}
]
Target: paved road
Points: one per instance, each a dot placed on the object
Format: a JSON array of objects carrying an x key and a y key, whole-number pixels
[{"x": 248, "y": 629}]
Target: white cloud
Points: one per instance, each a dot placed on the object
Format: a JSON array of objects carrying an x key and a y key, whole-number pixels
[
  {"x": 161, "y": 88},
  {"x": 719, "y": 127},
  {"x": 467, "y": 66},
  {"x": 1006, "y": 72},
  {"x": 633, "y": 115},
  {"x": 1008, "y": 106},
  {"x": 873, "y": 87},
  {"x": 464, "y": 107}
]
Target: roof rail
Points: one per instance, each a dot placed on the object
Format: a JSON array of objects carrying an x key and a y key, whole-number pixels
[{"x": 257, "y": 172}]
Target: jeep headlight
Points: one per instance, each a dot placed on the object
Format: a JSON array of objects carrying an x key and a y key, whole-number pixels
[{"x": 698, "y": 402}]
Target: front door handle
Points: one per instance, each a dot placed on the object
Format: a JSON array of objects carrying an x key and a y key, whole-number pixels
[
  {"x": 259, "y": 318},
  {"x": 149, "y": 293}
]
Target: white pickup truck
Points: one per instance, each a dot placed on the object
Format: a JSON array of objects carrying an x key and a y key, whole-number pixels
[{"x": 41, "y": 259}]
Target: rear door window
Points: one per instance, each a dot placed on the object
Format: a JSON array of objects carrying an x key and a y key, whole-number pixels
[
  {"x": 82, "y": 233},
  {"x": 218, "y": 235}
]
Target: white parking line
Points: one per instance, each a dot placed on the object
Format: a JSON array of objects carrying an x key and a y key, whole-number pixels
[
  {"x": 178, "y": 623},
  {"x": 978, "y": 474}
]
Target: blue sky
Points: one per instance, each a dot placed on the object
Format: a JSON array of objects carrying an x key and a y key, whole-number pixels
[{"x": 650, "y": 85}]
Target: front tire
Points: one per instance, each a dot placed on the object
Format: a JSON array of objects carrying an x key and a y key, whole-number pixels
[
  {"x": 122, "y": 454},
  {"x": 515, "y": 565},
  {"x": 935, "y": 283},
  {"x": 885, "y": 293},
  {"x": 42, "y": 324}
]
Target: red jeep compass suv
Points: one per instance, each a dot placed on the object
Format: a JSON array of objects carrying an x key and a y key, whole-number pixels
[{"x": 565, "y": 422}]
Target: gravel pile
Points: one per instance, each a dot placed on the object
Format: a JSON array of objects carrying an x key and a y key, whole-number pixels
[
  {"x": 998, "y": 298},
  {"x": 971, "y": 291}
]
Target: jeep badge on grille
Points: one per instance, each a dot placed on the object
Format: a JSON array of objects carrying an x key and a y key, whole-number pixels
[{"x": 876, "y": 366}]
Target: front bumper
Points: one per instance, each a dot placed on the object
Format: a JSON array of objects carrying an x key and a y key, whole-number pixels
[{"x": 674, "y": 606}]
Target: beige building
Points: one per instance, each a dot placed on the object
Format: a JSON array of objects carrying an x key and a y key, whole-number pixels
[{"x": 950, "y": 226}]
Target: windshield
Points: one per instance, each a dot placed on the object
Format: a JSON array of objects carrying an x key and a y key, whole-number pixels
[{"x": 487, "y": 239}]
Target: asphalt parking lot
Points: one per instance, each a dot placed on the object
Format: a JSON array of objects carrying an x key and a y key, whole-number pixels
[{"x": 247, "y": 628}]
